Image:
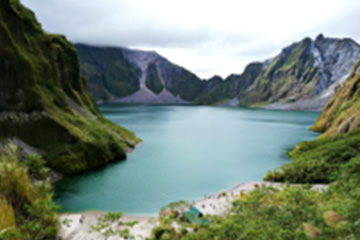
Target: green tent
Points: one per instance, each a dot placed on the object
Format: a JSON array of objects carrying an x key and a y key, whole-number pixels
[{"x": 193, "y": 215}]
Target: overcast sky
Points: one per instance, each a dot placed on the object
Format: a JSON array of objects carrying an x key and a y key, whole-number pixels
[{"x": 207, "y": 37}]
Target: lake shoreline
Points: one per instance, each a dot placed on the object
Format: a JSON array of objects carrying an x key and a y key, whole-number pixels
[{"x": 80, "y": 223}]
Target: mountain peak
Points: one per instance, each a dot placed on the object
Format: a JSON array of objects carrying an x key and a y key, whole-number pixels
[
  {"x": 320, "y": 37},
  {"x": 216, "y": 77}
]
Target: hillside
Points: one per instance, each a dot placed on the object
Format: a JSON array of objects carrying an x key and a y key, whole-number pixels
[
  {"x": 43, "y": 101},
  {"x": 132, "y": 76}
]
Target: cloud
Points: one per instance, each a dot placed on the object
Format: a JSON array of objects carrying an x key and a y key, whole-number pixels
[{"x": 207, "y": 37}]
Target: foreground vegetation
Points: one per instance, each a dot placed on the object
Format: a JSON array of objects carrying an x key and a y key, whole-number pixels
[
  {"x": 27, "y": 211},
  {"x": 319, "y": 161}
]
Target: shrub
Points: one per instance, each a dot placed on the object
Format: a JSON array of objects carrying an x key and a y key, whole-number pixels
[
  {"x": 36, "y": 166},
  {"x": 27, "y": 211}
]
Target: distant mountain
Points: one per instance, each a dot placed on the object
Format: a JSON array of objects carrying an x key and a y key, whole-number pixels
[
  {"x": 303, "y": 76},
  {"x": 131, "y": 76},
  {"x": 228, "y": 90}
]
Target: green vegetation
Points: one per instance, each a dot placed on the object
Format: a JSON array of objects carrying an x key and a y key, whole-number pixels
[
  {"x": 319, "y": 161},
  {"x": 174, "y": 206},
  {"x": 46, "y": 104},
  {"x": 107, "y": 71},
  {"x": 184, "y": 83},
  {"x": 36, "y": 166},
  {"x": 231, "y": 86},
  {"x": 26, "y": 207},
  {"x": 153, "y": 81},
  {"x": 111, "y": 225}
]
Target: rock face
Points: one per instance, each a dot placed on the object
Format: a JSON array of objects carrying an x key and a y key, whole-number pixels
[
  {"x": 342, "y": 113},
  {"x": 43, "y": 101},
  {"x": 303, "y": 76},
  {"x": 131, "y": 76}
]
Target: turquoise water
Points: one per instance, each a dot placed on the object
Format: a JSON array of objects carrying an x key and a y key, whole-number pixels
[{"x": 187, "y": 152}]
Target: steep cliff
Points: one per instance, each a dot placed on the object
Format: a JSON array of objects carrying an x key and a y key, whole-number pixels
[
  {"x": 342, "y": 113},
  {"x": 43, "y": 102}
]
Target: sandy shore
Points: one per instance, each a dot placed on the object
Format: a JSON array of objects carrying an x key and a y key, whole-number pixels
[{"x": 76, "y": 226}]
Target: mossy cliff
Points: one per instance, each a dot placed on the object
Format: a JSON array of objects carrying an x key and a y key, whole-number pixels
[
  {"x": 43, "y": 100},
  {"x": 342, "y": 113}
]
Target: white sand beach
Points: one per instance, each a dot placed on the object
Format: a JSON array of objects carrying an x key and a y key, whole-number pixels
[{"x": 76, "y": 226}]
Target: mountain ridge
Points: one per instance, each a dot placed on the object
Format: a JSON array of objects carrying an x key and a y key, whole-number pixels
[{"x": 303, "y": 76}]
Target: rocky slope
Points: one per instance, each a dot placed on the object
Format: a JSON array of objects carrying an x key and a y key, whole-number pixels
[
  {"x": 304, "y": 75},
  {"x": 131, "y": 76},
  {"x": 342, "y": 113},
  {"x": 44, "y": 106}
]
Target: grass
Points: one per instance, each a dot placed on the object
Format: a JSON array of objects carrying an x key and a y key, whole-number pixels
[
  {"x": 7, "y": 216},
  {"x": 27, "y": 211},
  {"x": 319, "y": 161}
]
